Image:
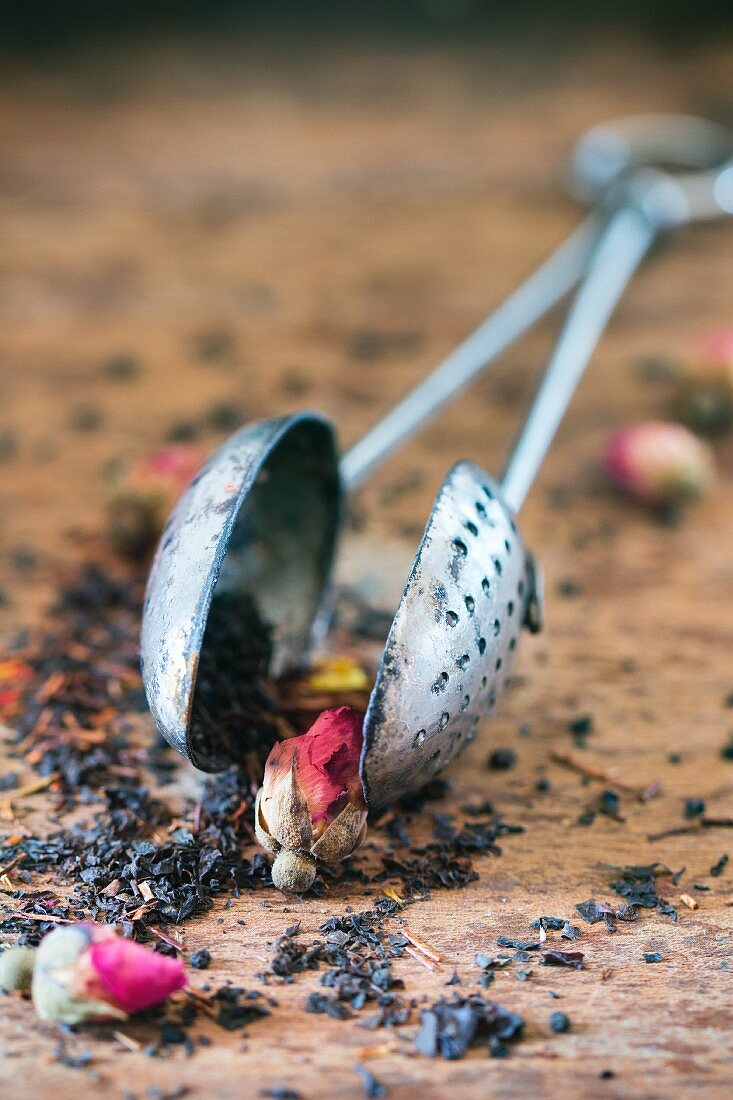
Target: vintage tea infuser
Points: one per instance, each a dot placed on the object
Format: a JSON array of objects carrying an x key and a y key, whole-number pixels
[{"x": 261, "y": 519}]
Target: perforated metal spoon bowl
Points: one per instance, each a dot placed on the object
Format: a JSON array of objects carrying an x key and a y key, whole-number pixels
[
  {"x": 261, "y": 520},
  {"x": 473, "y": 584}
]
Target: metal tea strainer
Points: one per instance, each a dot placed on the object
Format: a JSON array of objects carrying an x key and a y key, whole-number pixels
[{"x": 260, "y": 521}]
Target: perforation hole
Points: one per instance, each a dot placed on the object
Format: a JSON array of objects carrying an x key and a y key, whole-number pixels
[
  {"x": 498, "y": 566},
  {"x": 463, "y": 662},
  {"x": 435, "y": 755},
  {"x": 460, "y": 547},
  {"x": 471, "y": 527},
  {"x": 441, "y": 683},
  {"x": 496, "y": 627},
  {"x": 444, "y": 720},
  {"x": 487, "y": 492},
  {"x": 418, "y": 739},
  {"x": 498, "y": 664},
  {"x": 520, "y": 588},
  {"x": 510, "y": 607},
  {"x": 470, "y": 604},
  {"x": 486, "y": 585},
  {"x": 465, "y": 704},
  {"x": 513, "y": 644},
  {"x": 507, "y": 546},
  {"x": 482, "y": 646},
  {"x": 483, "y": 682},
  {"x": 480, "y": 509},
  {"x": 451, "y": 618}
]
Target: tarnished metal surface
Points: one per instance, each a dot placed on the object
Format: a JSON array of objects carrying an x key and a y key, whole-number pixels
[
  {"x": 453, "y": 638},
  {"x": 260, "y": 519}
]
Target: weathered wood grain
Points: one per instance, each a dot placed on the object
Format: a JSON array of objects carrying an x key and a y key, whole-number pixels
[{"x": 343, "y": 218}]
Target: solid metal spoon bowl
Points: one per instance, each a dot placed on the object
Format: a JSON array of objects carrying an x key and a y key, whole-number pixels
[{"x": 256, "y": 528}]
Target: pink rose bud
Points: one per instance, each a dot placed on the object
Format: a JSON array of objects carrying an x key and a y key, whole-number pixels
[
  {"x": 659, "y": 462},
  {"x": 85, "y": 973},
  {"x": 167, "y": 472},
  {"x": 142, "y": 495},
  {"x": 704, "y": 396},
  {"x": 311, "y": 803},
  {"x": 716, "y": 348}
]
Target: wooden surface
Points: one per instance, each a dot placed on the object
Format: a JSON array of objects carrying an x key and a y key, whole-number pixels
[{"x": 343, "y": 216}]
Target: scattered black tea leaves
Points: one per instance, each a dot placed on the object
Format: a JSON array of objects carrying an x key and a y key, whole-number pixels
[
  {"x": 200, "y": 960},
  {"x": 554, "y": 924},
  {"x": 451, "y": 1028},
  {"x": 581, "y": 725},
  {"x": 593, "y": 911},
  {"x": 122, "y": 368},
  {"x": 373, "y": 1088},
  {"x": 328, "y": 1006},
  {"x": 518, "y": 945},
  {"x": 653, "y": 956},
  {"x": 559, "y": 1022},
  {"x": 717, "y": 869},
  {"x": 555, "y": 957},
  {"x": 501, "y": 760},
  {"x": 637, "y": 885}
]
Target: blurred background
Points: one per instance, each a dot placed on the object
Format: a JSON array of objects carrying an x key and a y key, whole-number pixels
[
  {"x": 53, "y": 25},
  {"x": 211, "y": 212}
]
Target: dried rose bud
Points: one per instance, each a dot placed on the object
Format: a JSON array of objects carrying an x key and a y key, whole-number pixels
[
  {"x": 16, "y": 968},
  {"x": 704, "y": 397},
  {"x": 659, "y": 462},
  {"x": 141, "y": 496},
  {"x": 716, "y": 348},
  {"x": 311, "y": 803},
  {"x": 85, "y": 973}
]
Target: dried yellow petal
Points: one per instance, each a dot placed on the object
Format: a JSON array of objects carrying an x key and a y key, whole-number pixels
[{"x": 337, "y": 675}]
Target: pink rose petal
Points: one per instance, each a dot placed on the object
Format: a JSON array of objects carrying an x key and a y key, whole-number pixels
[
  {"x": 328, "y": 763},
  {"x": 716, "y": 347},
  {"x": 132, "y": 976}
]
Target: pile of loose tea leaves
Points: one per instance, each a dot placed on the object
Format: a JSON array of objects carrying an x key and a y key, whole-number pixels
[
  {"x": 355, "y": 954},
  {"x": 451, "y": 1028},
  {"x": 133, "y": 861},
  {"x": 126, "y": 852}
]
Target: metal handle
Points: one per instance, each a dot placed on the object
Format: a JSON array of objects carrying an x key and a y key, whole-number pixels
[
  {"x": 614, "y": 149},
  {"x": 657, "y": 202},
  {"x": 621, "y": 250},
  {"x": 602, "y": 160},
  {"x": 525, "y": 307}
]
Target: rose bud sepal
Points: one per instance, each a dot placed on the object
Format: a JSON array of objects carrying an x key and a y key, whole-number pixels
[
  {"x": 16, "y": 968},
  {"x": 311, "y": 804}
]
